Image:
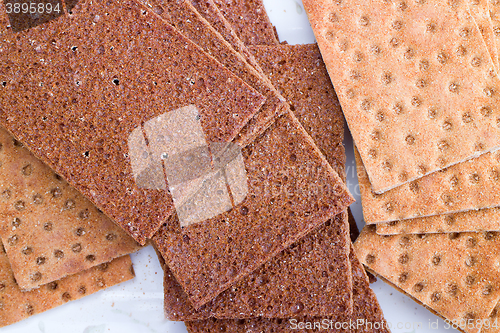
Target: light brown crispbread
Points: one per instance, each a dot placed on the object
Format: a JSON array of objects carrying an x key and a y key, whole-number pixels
[
  {"x": 16, "y": 305},
  {"x": 456, "y": 275},
  {"x": 467, "y": 186},
  {"x": 77, "y": 115},
  {"x": 409, "y": 77},
  {"x": 366, "y": 308},
  {"x": 291, "y": 191},
  {"x": 48, "y": 228},
  {"x": 310, "y": 278},
  {"x": 493, "y": 323},
  {"x": 479, "y": 10},
  {"x": 494, "y": 10},
  {"x": 483, "y": 220},
  {"x": 250, "y": 21}
]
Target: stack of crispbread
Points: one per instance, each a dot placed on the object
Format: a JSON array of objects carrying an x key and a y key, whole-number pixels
[
  {"x": 185, "y": 124},
  {"x": 418, "y": 84}
]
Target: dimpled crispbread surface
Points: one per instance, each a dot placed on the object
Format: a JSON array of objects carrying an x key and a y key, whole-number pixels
[
  {"x": 16, "y": 305},
  {"x": 455, "y": 275},
  {"x": 49, "y": 229},
  {"x": 415, "y": 81}
]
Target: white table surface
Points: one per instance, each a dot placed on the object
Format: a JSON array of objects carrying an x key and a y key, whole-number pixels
[{"x": 137, "y": 305}]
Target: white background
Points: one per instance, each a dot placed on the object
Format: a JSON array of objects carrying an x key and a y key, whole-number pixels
[{"x": 137, "y": 305}]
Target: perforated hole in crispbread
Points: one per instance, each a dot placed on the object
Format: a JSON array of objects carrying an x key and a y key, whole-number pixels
[
  {"x": 455, "y": 276},
  {"x": 45, "y": 218},
  {"x": 408, "y": 51}
]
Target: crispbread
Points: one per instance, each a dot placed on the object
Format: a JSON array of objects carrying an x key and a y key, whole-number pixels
[
  {"x": 210, "y": 12},
  {"x": 471, "y": 185},
  {"x": 291, "y": 191},
  {"x": 492, "y": 324},
  {"x": 402, "y": 70},
  {"x": 77, "y": 115},
  {"x": 250, "y": 21},
  {"x": 479, "y": 10},
  {"x": 183, "y": 16},
  {"x": 494, "y": 10},
  {"x": 299, "y": 74},
  {"x": 312, "y": 277},
  {"x": 456, "y": 275},
  {"x": 366, "y": 308},
  {"x": 16, "y": 305},
  {"x": 48, "y": 228},
  {"x": 483, "y": 220}
]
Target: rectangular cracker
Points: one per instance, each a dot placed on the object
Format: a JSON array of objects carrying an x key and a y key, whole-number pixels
[
  {"x": 483, "y": 220},
  {"x": 210, "y": 12},
  {"x": 456, "y": 275},
  {"x": 291, "y": 191},
  {"x": 302, "y": 280},
  {"x": 409, "y": 77},
  {"x": 16, "y": 305},
  {"x": 250, "y": 21},
  {"x": 77, "y": 116},
  {"x": 49, "y": 229},
  {"x": 366, "y": 307},
  {"x": 494, "y": 11},
  {"x": 471, "y": 185},
  {"x": 480, "y": 12},
  {"x": 300, "y": 75},
  {"x": 308, "y": 89},
  {"x": 319, "y": 110},
  {"x": 184, "y": 17}
]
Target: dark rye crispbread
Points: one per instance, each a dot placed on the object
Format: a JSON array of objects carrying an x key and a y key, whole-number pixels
[
  {"x": 210, "y": 12},
  {"x": 250, "y": 21},
  {"x": 16, "y": 305},
  {"x": 49, "y": 229},
  {"x": 366, "y": 308},
  {"x": 86, "y": 87},
  {"x": 310, "y": 90},
  {"x": 300, "y": 75},
  {"x": 291, "y": 191},
  {"x": 311, "y": 277},
  {"x": 183, "y": 16}
]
